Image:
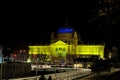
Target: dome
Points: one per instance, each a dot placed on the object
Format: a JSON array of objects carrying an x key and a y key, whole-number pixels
[{"x": 65, "y": 30}]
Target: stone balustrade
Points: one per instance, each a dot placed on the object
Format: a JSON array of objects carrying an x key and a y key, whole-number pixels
[{"x": 70, "y": 75}]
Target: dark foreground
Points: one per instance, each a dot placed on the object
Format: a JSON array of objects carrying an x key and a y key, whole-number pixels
[
  {"x": 33, "y": 73},
  {"x": 114, "y": 76},
  {"x": 102, "y": 76}
]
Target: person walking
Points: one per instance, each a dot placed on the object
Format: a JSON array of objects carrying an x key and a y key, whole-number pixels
[
  {"x": 42, "y": 77},
  {"x": 49, "y": 78}
]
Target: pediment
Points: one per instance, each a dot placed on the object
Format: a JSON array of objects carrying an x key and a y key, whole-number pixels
[{"x": 60, "y": 43}]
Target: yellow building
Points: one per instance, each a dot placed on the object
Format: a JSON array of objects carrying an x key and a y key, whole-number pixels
[{"x": 65, "y": 46}]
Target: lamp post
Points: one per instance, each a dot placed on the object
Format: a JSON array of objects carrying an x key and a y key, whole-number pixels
[
  {"x": 36, "y": 68},
  {"x": 1, "y": 60},
  {"x": 55, "y": 68},
  {"x": 1, "y": 70}
]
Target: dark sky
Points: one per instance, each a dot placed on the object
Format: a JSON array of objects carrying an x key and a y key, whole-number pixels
[{"x": 34, "y": 24}]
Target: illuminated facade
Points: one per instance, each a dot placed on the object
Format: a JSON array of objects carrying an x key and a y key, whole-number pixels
[{"x": 64, "y": 48}]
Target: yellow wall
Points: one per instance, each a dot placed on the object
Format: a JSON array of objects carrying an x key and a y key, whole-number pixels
[
  {"x": 90, "y": 50},
  {"x": 60, "y": 49},
  {"x": 39, "y": 50}
]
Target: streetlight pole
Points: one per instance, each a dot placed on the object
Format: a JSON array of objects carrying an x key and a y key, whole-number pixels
[
  {"x": 1, "y": 71},
  {"x": 1, "y": 59},
  {"x": 55, "y": 69},
  {"x": 36, "y": 68}
]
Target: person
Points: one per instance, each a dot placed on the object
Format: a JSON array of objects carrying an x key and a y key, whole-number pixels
[
  {"x": 49, "y": 78},
  {"x": 42, "y": 77},
  {"x": 94, "y": 67}
]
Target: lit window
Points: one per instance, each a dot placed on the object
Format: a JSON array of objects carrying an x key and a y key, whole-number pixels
[
  {"x": 23, "y": 50},
  {"x": 64, "y": 49},
  {"x": 20, "y": 51},
  {"x": 56, "y": 49}
]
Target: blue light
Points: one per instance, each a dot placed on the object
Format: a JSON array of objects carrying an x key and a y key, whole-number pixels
[
  {"x": 0, "y": 54},
  {"x": 65, "y": 30}
]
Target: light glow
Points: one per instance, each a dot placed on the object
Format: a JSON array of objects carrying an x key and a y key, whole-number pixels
[
  {"x": 61, "y": 49},
  {"x": 91, "y": 50}
]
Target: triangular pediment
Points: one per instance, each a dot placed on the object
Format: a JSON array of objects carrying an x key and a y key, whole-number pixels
[{"x": 60, "y": 43}]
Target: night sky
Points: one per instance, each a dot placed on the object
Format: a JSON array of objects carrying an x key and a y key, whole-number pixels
[{"x": 33, "y": 25}]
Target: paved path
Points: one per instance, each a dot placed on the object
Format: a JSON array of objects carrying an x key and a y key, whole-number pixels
[
  {"x": 69, "y": 75},
  {"x": 102, "y": 76}
]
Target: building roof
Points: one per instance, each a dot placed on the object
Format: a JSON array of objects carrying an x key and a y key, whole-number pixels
[{"x": 67, "y": 29}]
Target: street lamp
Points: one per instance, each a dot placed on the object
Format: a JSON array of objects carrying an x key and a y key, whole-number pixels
[
  {"x": 1, "y": 59},
  {"x": 36, "y": 68}
]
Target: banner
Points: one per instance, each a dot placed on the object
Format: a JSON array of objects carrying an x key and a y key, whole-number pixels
[{"x": 0, "y": 54}]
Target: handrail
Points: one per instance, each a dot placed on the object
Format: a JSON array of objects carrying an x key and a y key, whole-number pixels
[{"x": 61, "y": 76}]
